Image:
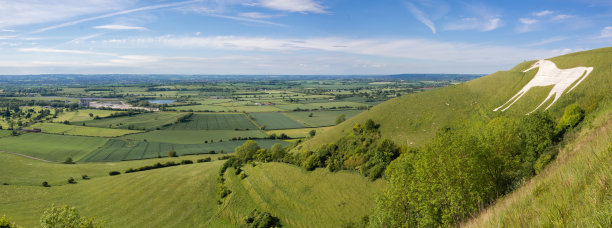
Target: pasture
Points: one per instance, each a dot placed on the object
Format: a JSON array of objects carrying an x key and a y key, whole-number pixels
[
  {"x": 120, "y": 150},
  {"x": 83, "y": 115},
  {"x": 297, "y": 133},
  {"x": 51, "y": 147},
  {"x": 65, "y": 129},
  {"x": 321, "y": 118},
  {"x": 145, "y": 121},
  {"x": 214, "y": 122},
  {"x": 275, "y": 120},
  {"x": 193, "y": 136}
]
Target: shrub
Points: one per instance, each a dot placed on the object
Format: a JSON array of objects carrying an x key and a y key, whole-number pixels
[
  {"x": 172, "y": 153},
  {"x": 45, "y": 184},
  {"x": 242, "y": 175},
  {"x": 262, "y": 219},
  {"x": 5, "y": 223},
  {"x": 66, "y": 217},
  {"x": 71, "y": 180},
  {"x": 223, "y": 191},
  {"x": 68, "y": 160},
  {"x": 185, "y": 162},
  {"x": 113, "y": 173},
  {"x": 208, "y": 159},
  {"x": 85, "y": 177}
]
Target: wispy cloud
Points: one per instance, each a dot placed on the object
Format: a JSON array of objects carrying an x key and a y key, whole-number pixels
[
  {"x": 419, "y": 15},
  {"x": 526, "y": 24},
  {"x": 299, "y": 6},
  {"x": 246, "y": 19},
  {"x": 64, "y": 51},
  {"x": 606, "y": 32},
  {"x": 474, "y": 24},
  {"x": 256, "y": 15},
  {"x": 547, "y": 41},
  {"x": 542, "y": 13},
  {"x": 120, "y": 27},
  {"x": 124, "y": 12}
]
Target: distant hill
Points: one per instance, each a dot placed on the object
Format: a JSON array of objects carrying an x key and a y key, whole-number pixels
[{"x": 413, "y": 119}]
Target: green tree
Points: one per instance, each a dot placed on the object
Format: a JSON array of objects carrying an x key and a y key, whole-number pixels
[
  {"x": 246, "y": 151},
  {"x": 277, "y": 152},
  {"x": 572, "y": 115},
  {"x": 66, "y": 217},
  {"x": 538, "y": 132},
  {"x": 312, "y": 133}
]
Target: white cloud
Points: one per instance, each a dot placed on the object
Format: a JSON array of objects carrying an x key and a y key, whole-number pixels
[
  {"x": 123, "y": 12},
  {"x": 25, "y": 12},
  {"x": 547, "y": 41},
  {"x": 120, "y": 27},
  {"x": 543, "y": 13},
  {"x": 606, "y": 32},
  {"x": 300, "y": 6},
  {"x": 421, "y": 17},
  {"x": 63, "y": 51},
  {"x": 256, "y": 15},
  {"x": 561, "y": 17},
  {"x": 528, "y": 21},
  {"x": 393, "y": 48},
  {"x": 474, "y": 24}
]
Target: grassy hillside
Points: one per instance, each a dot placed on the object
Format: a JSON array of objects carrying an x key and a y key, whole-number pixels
[
  {"x": 413, "y": 119},
  {"x": 185, "y": 196},
  {"x": 574, "y": 191}
]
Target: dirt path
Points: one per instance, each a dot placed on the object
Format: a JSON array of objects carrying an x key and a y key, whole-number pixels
[{"x": 23, "y": 155}]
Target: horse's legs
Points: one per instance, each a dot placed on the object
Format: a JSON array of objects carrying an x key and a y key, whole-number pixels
[
  {"x": 522, "y": 92},
  {"x": 586, "y": 74},
  {"x": 512, "y": 98},
  {"x": 543, "y": 102}
]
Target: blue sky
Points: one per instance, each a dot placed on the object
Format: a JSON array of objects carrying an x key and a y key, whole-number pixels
[{"x": 293, "y": 36}]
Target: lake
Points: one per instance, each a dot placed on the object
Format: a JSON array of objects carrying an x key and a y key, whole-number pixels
[{"x": 161, "y": 101}]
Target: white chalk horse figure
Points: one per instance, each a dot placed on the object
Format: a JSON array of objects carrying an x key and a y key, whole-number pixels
[{"x": 549, "y": 74}]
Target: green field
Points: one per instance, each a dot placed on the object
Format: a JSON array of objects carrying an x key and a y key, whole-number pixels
[
  {"x": 275, "y": 120},
  {"x": 145, "y": 121},
  {"x": 65, "y": 129},
  {"x": 297, "y": 133},
  {"x": 193, "y": 136},
  {"x": 323, "y": 105},
  {"x": 214, "y": 122},
  {"x": 321, "y": 118},
  {"x": 51, "y": 147},
  {"x": 83, "y": 115},
  {"x": 185, "y": 196},
  {"x": 120, "y": 150}
]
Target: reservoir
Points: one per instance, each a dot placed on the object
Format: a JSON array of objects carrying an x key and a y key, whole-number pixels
[{"x": 161, "y": 101}]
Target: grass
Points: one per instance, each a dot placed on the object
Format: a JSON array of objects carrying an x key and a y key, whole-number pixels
[
  {"x": 275, "y": 120},
  {"x": 297, "y": 133},
  {"x": 65, "y": 129},
  {"x": 297, "y": 196},
  {"x": 83, "y": 115},
  {"x": 321, "y": 118},
  {"x": 574, "y": 191},
  {"x": 214, "y": 122},
  {"x": 193, "y": 136},
  {"x": 185, "y": 195},
  {"x": 51, "y": 147},
  {"x": 322, "y": 105},
  {"x": 415, "y": 118},
  {"x": 120, "y": 150},
  {"x": 19, "y": 170},
  {"x": 145, "y": 121}
]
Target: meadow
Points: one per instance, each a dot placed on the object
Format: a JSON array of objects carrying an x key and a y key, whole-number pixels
[
  {"x": 193, "y": 136},
  {"x": 120, "y": 150},
  {"x": 50, "y": 146},
  {"x": 214, "y": 122},
  {"x": 65, "y": 129},
  {"x": 275, "y": 120},
  {"x": 145, "y": 121},
  {"x": 321, "y": 118}
]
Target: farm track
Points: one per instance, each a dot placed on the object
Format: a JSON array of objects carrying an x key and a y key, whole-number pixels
[{"x": 27, "y": 156}]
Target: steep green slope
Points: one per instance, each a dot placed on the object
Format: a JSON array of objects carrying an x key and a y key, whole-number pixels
[
  {"x": 413, "y": 119},
  {"x": 574, "y": 191},
  {"x": 186, "y": 195}
]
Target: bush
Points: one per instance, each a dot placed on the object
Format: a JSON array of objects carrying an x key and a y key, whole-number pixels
[
  {"x": 223, "y": 191},
  {"x": 242, "y": 175},
  {"x": 68, "y": 160},
  {"x": 5, "y": 223},
  {"x": 45, "y": 184},
  {"x": 71, "y": 181},
  {"x": 262, "y": 219},
  {"x": 185, "y": 162},
  {"x": 208, "y": 159},
  {"x": 85, "y": 177},
  {"x": 66, "y": 217},
  {"x": 114, "y": 173},
  {"x": 172, "y": 154}
]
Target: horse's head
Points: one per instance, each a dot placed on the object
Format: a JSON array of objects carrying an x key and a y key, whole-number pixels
[{"x": 537, "y": 64}]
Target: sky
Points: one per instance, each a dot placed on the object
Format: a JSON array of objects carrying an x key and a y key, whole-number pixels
[{"x": 293, "y": 37}]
